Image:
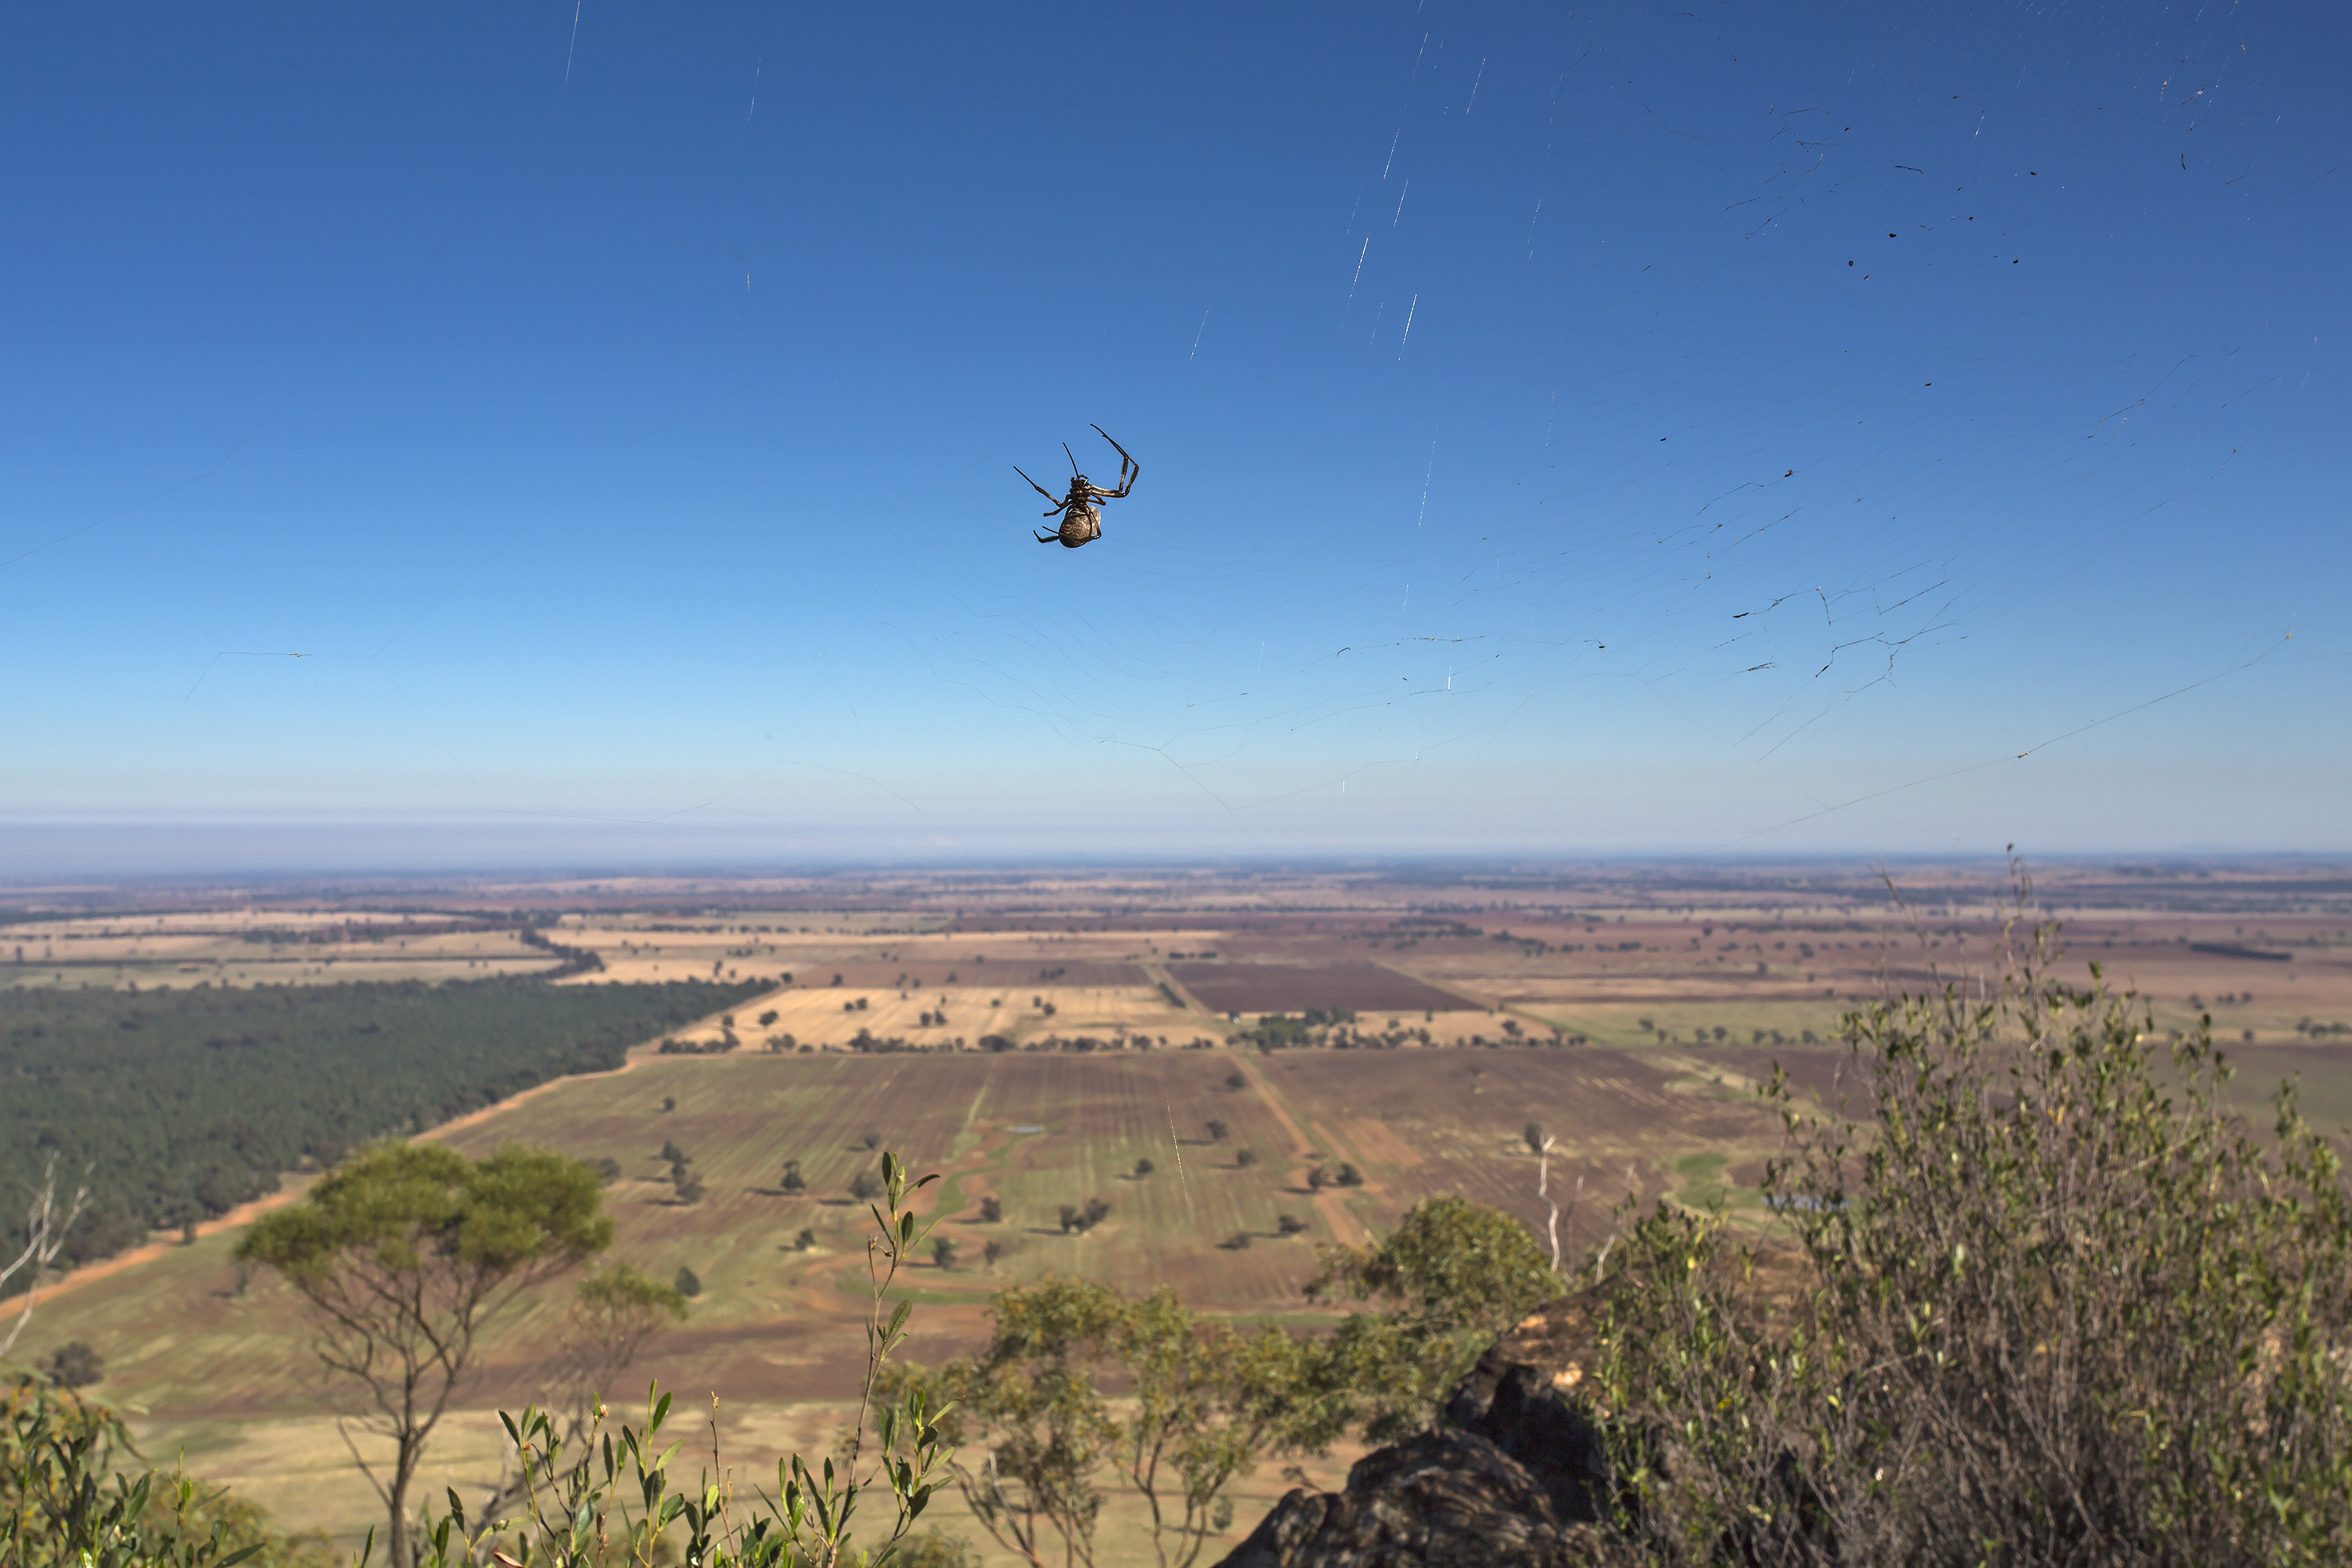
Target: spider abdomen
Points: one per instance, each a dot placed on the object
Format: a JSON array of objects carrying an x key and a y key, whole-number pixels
[{"x": 1080, "y": 525}]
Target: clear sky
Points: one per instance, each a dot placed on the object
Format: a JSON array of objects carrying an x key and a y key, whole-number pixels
[{"x": 1740, "y": 430}]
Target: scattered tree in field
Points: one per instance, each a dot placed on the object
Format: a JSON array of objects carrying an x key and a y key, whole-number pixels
[
  {"x": 871, "y": 1138},
  {"x": 1237, "y": 1242},
  {"x": 72, "y": 1365},
  {"x": 671, "y": 1154},
  {"x": 403, "y": 1255},
  {"x": 669, "y": 1103},
  {"x": 687, "y": 1283},
  {"x": 1347, "y": 1175},
  {"x": 1536, "y": 1139},
  {"x": 1289, "y": 1224},
  {"x": 1080, "y": 1221},
  {"x": 991, "y": 1252},
  {"x": 1217, "y": 1131},
  {"x": 608, "y": 1170},
  {"x": 1317, "y": 1179},
  {"x": 944, "y": 1252},
  {"x": 768, "y": 1017},
  {"x": 687, "y": 1182},
  {"x": 1144, "y": 1168},
  {"x": 992, "y": 1210},
  {"x": 803, "y": 1241},
  {"x": 865, "y": 1187},
  {"x": 1244, "y": 1158},
  {"x": 793, "y": 1181},
  {"x": 1236, "y": 1080}
]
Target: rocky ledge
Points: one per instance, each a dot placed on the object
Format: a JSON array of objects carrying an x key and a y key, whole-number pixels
[{"x": 1513, "y": 1476}]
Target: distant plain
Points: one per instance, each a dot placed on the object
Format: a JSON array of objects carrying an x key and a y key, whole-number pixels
[{"x": 1630, "y": 1011}]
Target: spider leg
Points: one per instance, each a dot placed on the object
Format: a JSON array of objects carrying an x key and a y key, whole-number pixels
[
  {"x": 1049, "y": 538},
  {"x": 1033, "y": 484},
  {"x": 1130, "y": 470}
]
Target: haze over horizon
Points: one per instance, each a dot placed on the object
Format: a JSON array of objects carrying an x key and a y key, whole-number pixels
[{"x": 442, "y": 436}]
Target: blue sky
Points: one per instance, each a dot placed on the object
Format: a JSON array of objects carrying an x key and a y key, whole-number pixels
[{"x": 1741, "y": 430}]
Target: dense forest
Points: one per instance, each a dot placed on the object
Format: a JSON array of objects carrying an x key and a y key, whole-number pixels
[{"x": 181, "y": 1104}]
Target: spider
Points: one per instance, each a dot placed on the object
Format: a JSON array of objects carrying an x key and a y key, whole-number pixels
[{"x": 1081, "y": 519}]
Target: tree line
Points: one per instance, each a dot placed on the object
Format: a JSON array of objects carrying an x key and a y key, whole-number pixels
[{"x": 173, "y": 1106}]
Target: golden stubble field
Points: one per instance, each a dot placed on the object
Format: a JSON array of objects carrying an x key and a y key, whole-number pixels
[{"x": 1684, "y": 998}]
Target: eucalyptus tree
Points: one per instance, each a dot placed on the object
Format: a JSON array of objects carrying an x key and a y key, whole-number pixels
[{"x": 406, "y": 1255}]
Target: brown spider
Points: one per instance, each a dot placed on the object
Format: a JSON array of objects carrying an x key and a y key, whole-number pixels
[{"x": 1081, "y": 519}]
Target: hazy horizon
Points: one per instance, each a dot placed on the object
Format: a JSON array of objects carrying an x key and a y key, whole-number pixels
[{"x": 128, "y": 854}]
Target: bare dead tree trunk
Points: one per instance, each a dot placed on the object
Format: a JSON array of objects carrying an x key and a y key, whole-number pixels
[
  {"x": 45, "y": 1237},
  {"x": 1543, "y": 1191}
]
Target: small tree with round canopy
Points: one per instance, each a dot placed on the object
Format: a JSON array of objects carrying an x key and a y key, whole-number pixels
[{"x": 403, "y": 1256}]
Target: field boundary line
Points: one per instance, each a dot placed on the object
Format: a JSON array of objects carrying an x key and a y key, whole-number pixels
[
  {"x": 1160, "y": 975},
  {"x": 1454, "y": 991}
]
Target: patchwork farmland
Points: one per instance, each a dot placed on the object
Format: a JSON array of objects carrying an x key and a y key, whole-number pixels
[{"x": 1039, "y": 1040}]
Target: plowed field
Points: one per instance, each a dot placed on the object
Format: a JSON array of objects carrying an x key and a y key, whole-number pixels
[{"x": 1296, "y": 987}]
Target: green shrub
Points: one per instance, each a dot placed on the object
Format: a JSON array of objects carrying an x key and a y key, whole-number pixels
[
  {"x": 1456, "y": 1274},
  {"x": 1033, "y": 1431},
  {"x": 2060, "y": 1305},
  {"x": 67, "y": 1499}
]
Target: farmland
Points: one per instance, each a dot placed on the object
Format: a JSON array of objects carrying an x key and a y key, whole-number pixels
[
  {"x": 1037, "y": 1038},
  {"x": 214, "y": 1358}
]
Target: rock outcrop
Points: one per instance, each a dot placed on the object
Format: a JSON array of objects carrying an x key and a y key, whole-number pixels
[
  {"x": 1511, "y": 1479},
  {"x": 1443, "y": 1500},
  {"x": 1513, "y": 1476}
]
